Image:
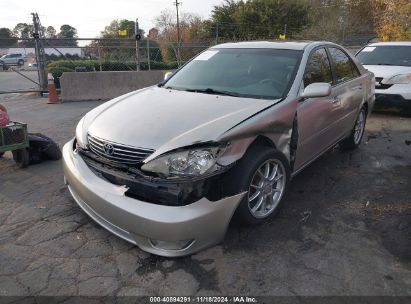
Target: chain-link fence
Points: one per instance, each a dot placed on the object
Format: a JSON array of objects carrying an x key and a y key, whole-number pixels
[{"x": 117, "y": 54}]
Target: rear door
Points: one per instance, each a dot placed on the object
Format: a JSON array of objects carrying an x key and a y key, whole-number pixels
[
  {"x": 348, "y": 90},
  {"x": 316, "y": 116}
]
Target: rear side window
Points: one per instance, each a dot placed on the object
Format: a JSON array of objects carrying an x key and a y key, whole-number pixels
[
  {"x": 318, "y": 68},
  {"x": 344, "y": 67}
]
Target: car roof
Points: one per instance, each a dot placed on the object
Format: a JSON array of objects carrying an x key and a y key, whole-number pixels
[
  {"x": 394, "y": 43},
  {"x": 281, "y": 45}
]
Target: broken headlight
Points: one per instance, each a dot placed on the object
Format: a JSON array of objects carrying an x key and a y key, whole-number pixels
[{"x": 195, "y": 162}]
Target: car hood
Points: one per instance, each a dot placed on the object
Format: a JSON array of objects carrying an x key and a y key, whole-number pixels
[
  {"x": 163, "y": 120},
  {"x": 387, "y": 71}
]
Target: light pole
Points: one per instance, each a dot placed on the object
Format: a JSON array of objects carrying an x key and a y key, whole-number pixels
[
  {"x": 148, "y": 51},
  {"x": 176, "y": 3}
]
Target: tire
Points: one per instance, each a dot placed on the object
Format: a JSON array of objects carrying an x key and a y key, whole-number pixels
[
  {"x": 45, "y": 147},
  {"x": 1, "y": 154},
  {"x": 406, "y": 112},
  {"x": 20, "y": 62},
  {"x": 357, "y": 133},
  {"x": 245, "y": 174},
  {"x": 21, "y": 157},
  {"x": 53, "y": 151}
]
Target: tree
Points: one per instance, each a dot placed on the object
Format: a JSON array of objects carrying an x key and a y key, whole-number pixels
[
  {"x": 341, "y": 21},
  {"x": 191, "y": 31},
  {"x": 259, "y": 19},
  {"x": 394, "y": 21},
  {"x": 111, "y": 31},
  {"x": 6, "y": 38},
  {"x": 67, "y": 32},
  {"x": 122, "y": 48},
  {"x": 24, "y": 31},
  {"x": 224, "y": 20},
  {"x": 50, "y": 32}
]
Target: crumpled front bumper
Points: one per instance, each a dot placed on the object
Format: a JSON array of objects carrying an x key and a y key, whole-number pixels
[{"x": 162, "y": 230}]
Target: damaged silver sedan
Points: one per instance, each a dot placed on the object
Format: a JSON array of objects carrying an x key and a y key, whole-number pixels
[{"x": 167, "y": 167}]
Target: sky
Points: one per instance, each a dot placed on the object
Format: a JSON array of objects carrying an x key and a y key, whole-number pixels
[{"x": 90, "y": 17}]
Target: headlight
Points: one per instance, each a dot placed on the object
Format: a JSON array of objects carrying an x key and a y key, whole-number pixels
[
  {"x": 400, "y": 79},
  {"x": 81, "y": 136},
  {"x": 195, "y": 162}
]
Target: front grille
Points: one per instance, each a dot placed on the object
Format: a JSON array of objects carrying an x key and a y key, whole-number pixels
[
  {"x": 381, "y": 86},
  {"x": 118, "y": 152}
]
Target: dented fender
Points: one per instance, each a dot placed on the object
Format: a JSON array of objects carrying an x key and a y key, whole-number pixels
[{"x": 274, "y": 123}]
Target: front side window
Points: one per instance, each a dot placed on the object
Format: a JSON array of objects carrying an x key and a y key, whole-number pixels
[
  {"x": 344, "y": 67},
  {"x": 318, "y": 68},
  {"x": 253, "y": 73}
]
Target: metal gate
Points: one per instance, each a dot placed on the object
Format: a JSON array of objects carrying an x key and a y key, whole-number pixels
[{"x": 22, "y": 66}]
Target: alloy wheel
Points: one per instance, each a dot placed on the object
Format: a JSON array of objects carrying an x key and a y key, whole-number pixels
[
  {"x": 266, "y": 188},
  {"x": 359, "y": 127}
]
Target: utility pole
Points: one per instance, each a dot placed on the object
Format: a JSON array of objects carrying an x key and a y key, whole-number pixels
[
  {"x": 216, "y": 33},
  {"x": 148, "y": 52},
  {"x": 176, "y": 3},
  {"x": 138, "y": 37},
  {"x": 38, "y": 36}
]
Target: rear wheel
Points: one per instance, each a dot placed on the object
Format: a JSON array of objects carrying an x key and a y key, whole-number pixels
[
  {"x": 264, "y": 174},
  {"x": 354, "y": 140},
  {"x": 20, "y": 62},
  {"x": 1, "y": 154},
  {"x": 22, "y": 157}
]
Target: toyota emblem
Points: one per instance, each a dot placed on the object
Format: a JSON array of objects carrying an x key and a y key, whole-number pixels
[{"x": 108, "y": 149}]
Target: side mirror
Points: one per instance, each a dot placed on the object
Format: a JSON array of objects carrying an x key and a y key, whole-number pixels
[
  {"x": 167, "y": 75},
  {"x": 318, "y": 89}
]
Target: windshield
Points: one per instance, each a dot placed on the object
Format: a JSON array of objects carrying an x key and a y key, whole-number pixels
[
  {"x": 254, "y": 73},
  {"x": 386, "y": 55}
]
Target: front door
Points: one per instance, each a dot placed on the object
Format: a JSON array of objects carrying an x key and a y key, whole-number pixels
[{"x": 317, "y": 117}]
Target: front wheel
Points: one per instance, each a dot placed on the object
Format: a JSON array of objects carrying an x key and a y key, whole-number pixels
[
  {"x": 262, "y": 173},
  {"x": 354, "y": 140}
]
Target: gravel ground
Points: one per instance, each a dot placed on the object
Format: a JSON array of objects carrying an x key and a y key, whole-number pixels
[{"x": 345, "y": 228}]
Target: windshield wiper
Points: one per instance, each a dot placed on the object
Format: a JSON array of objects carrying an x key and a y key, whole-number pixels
[{"x": 213, "y": 91}]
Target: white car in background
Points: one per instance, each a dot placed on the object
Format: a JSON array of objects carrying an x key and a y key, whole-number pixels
[
  {"x": 12, "y": 59},
  {"x": 391, "y": 64}
]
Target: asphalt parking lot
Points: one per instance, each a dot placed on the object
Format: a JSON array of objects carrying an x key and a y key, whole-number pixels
[
  {"x": 11, "y": 81},
  {"x": 345, "y": 228}
]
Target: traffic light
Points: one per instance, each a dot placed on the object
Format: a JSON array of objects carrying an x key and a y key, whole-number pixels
[{"x": 138, "y": 37}]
